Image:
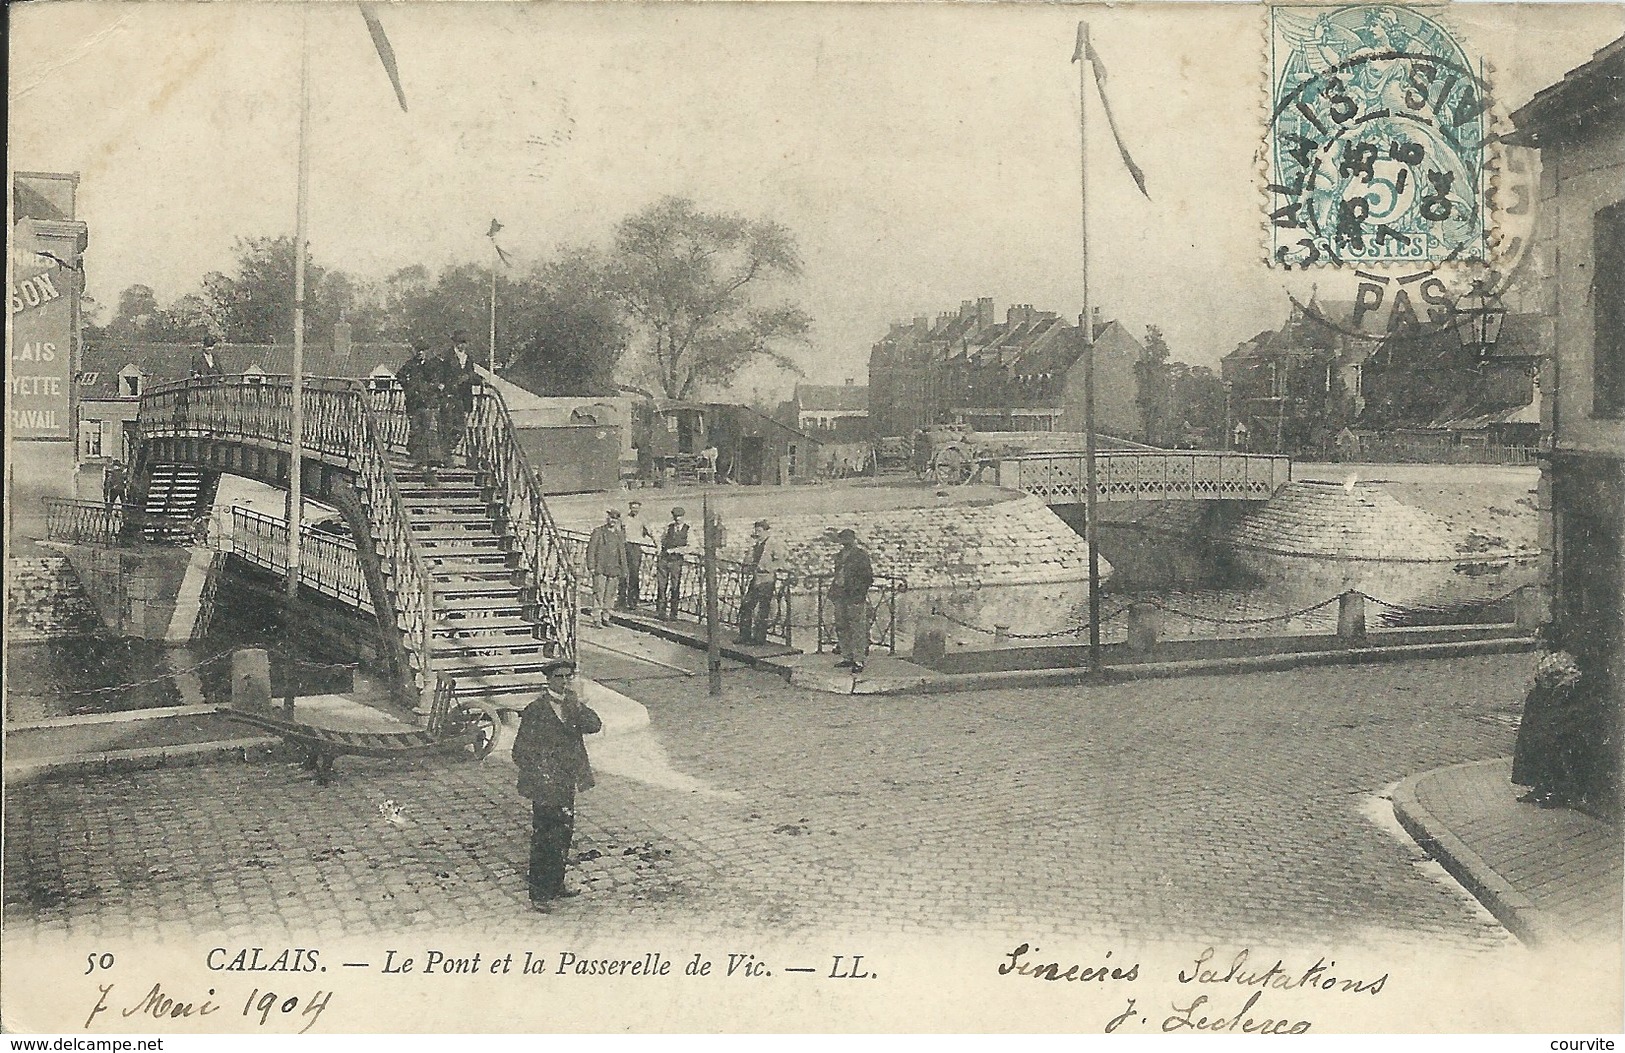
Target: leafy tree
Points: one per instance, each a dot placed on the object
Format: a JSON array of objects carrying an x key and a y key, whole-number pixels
[
  {"x": 566, "y": 331},
  {"x": 694, "y": 286},
  {"x": 136, "y": 305},
  {"x": 1153, "y": 389},
  {"x": 1198, "y": 404}
]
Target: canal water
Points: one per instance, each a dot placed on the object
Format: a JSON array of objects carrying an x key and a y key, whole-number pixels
[{"x": 97, "y": 674}]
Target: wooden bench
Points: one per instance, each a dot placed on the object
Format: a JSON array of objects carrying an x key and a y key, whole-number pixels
[{"x": 451, "y": 724}]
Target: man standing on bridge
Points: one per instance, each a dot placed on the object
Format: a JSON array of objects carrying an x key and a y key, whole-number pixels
[
  {"x": 417, "y": 378},
  {"x": 457, "y": 381},
  {"x": 553, "y": 765}
]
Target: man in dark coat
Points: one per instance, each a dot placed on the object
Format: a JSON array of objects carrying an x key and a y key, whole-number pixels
[
  {"x": 553, "y": 766},
  {"x": 113, "y": 483},
  {"x": 849, "y": 592},
  {"x": 457, "y": 382},
  {"x": 204, "y": 364},
  {"x": 418, "y": 386}
]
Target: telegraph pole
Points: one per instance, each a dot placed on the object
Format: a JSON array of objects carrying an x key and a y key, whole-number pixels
[
  {"x": 1086, "y": 325},
  {"x": 713, "y": 633}
]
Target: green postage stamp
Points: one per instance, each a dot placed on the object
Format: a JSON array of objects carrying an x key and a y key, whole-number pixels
[{"x": 1378, "y": 138}]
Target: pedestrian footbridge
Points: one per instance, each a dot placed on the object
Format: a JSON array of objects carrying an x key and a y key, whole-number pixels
[
  {"x": 468, "y": 578},
  {"x": 1060, "y": 478}
]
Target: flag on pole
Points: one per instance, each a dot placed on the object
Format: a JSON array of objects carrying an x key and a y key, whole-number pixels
[
  {"x": 1086, "y": 50},
  {"x": 492, "y": 234},
  {"x": 386, "y": 54}
]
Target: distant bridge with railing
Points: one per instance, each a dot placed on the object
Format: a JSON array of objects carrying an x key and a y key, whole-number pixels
[{"x": 1060, "y": 477}]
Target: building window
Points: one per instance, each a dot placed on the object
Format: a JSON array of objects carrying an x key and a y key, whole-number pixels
[
  {"x": 91, "y": 436},
  {"x": 129, "y": 382},
  {"x": 252, "y": 375},
  {"x": 1608, "y": 303}
]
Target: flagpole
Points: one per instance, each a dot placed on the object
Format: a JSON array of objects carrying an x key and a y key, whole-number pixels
[
  {"x": 1091, "y": 533},
  {"x": 491, "y": 358},
  {"x": 296, "y": 445}
]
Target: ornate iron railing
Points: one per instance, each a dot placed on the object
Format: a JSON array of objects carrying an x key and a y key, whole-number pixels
[
  {"x": 881, "y": 607},
  {"x": 98, "y": 523},
  {"x": 328, "y": 564},
  {"x": 259, "y": 409},
  {"x": 492, "y": 449},
  {"x": 1147, "y": 475},
  {"x": 733, "y": 578}
]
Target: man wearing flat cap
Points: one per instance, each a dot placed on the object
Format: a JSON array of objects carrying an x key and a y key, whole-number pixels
[
  {"x": 849, "y": 592},
  {"x": 669, "y": 571},
  {"x": 553, "y": 766},
  {"x": 766, "y": 559},
  {"x": 606, "y": 563}
]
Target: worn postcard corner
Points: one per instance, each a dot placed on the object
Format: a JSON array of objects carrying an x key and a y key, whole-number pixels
[{"x": 985, "y": 518}]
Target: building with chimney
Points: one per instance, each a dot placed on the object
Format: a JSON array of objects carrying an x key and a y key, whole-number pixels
[
  {"x": 1021, "y": 373},
  {"x": 836, "y": 413}
]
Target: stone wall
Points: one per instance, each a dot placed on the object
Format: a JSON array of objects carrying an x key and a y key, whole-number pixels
[
  {"x": 45, "y": 601},
  {"x": 1333, "y": 521},
  {"x": 1017, "y": 541}
]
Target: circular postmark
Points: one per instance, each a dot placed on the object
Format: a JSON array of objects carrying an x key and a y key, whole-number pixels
[
  {"x": 1378, "y": 141},
  {"x": 1386, "y": 179}
]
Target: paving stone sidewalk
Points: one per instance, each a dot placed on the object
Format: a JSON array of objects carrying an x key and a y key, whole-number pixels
[{"x": 1551, "y": 875}]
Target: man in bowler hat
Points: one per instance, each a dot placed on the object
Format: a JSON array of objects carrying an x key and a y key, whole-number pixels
[
  {"x": 457, "y": 383},
  {"x": 553, "y": 765},
  {"x": 417, "y": 377}
]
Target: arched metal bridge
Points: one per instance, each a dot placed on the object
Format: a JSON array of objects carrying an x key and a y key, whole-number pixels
[{"x": 469, "y": 578}]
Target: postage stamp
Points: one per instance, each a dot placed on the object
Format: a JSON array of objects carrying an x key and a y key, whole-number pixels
[{"x": 1377, "y": 140}]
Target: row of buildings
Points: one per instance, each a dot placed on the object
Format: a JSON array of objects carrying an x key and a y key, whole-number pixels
[{"x": 1020, "y": 373}]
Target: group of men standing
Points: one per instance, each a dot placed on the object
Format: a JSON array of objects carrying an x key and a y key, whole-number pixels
[
  {"x": 439, "y": 390},
  {"x": 616, "y": 549},
  {"x": 615, "y": 552}
]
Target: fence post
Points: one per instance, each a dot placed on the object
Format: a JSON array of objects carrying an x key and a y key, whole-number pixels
[
  {"x": 1526, "y": 606},
  {"x": 251, "y": 678},
  {"x": 931, "y": 638},
  {"x": 1144, "y": 626},
  {"x": 1351, "y": 618}
]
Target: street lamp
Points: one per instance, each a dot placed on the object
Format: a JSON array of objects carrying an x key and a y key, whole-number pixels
[{"x": 1478, "y": 316}]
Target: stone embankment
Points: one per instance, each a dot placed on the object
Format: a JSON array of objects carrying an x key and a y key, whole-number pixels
[
  {"x": 1337, "y": 521},
  {"x": 1012, "y": 542},
  {"x": 45, "y": 601},
  {"x": 1332, "y": 521}
]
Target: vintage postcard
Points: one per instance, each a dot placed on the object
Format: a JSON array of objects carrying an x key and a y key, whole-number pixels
[{"x": 825, "y": 517}]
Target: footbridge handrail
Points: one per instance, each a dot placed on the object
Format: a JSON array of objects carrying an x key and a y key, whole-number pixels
[{"x": 493, "y": 449}]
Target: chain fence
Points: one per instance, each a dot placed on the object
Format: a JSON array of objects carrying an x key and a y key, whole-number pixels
[{"x": 1210, "y": 619}]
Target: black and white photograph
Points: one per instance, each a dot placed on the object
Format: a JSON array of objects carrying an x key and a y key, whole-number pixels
[{"x": 831, "y": 517}]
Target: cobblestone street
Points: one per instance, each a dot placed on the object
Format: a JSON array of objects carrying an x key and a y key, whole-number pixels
[{"x": 1228, "y": 808}]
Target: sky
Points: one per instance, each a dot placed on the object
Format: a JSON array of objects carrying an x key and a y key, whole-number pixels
[{"x": 922, "y": 154}]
